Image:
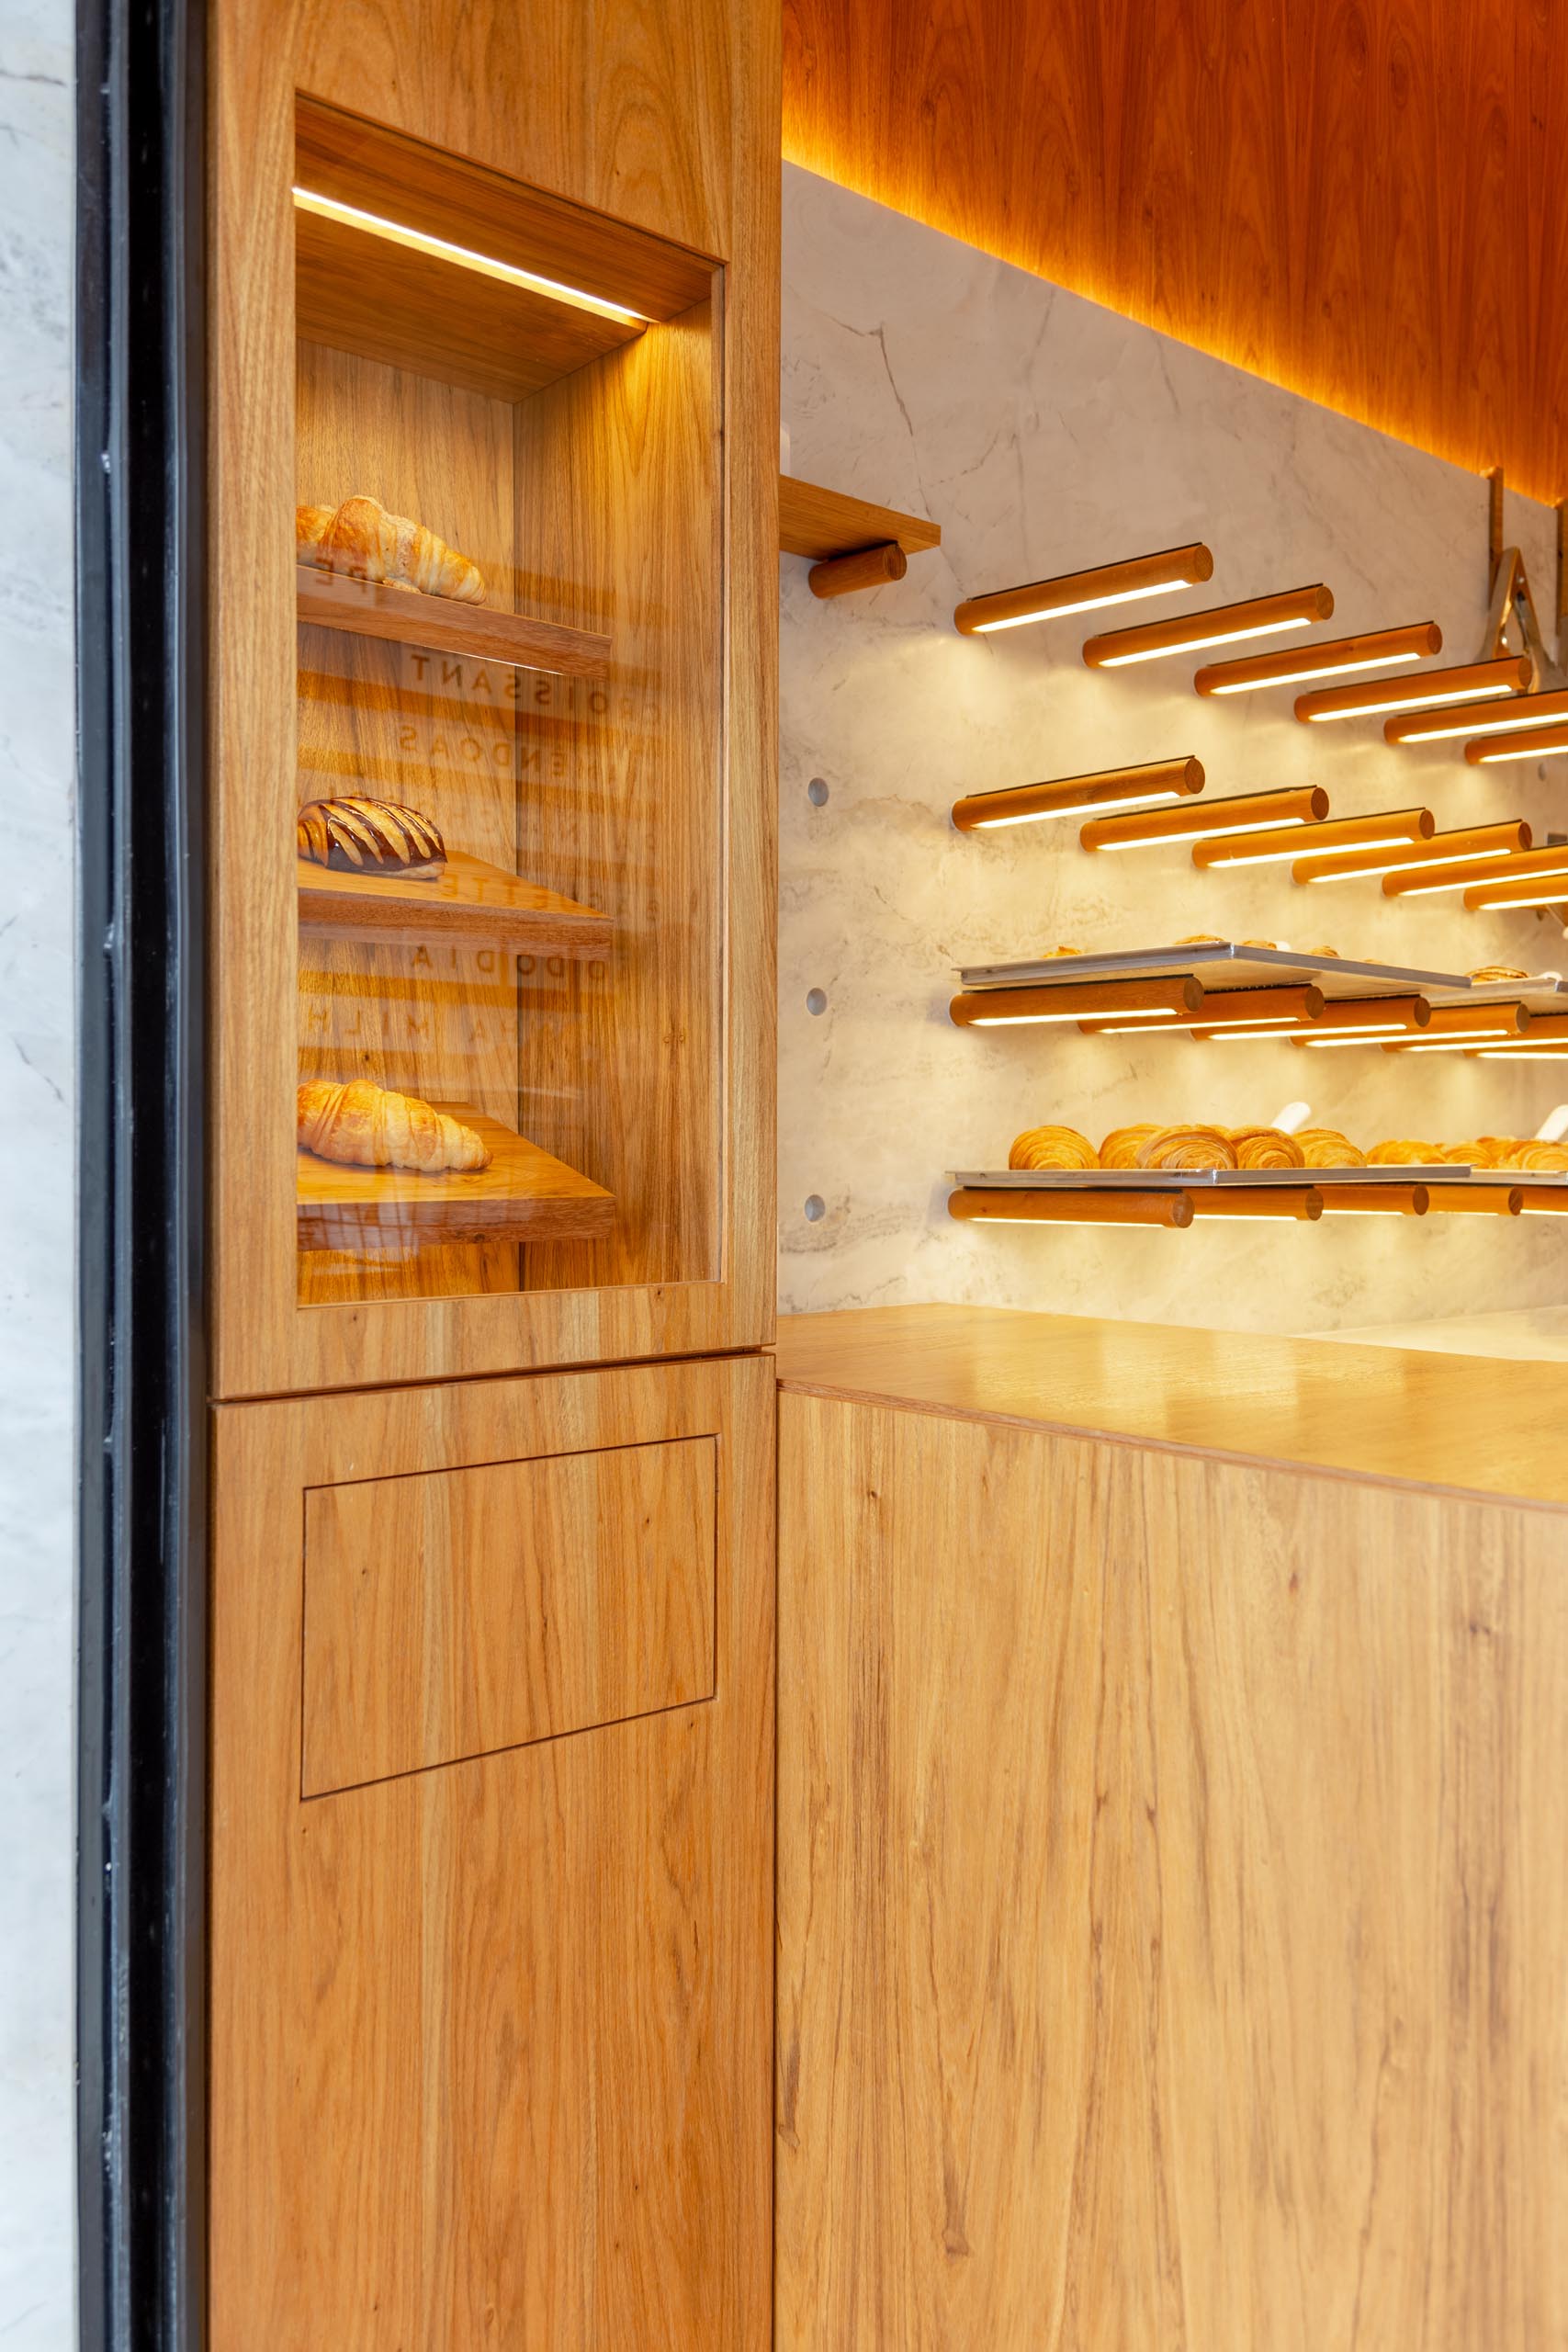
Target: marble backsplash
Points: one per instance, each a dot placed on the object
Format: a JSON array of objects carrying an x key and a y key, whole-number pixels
[{"x": 1046, "y": 433}]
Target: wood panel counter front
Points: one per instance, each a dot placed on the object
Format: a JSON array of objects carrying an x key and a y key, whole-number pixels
[{"x": 1173, "y": 1841}]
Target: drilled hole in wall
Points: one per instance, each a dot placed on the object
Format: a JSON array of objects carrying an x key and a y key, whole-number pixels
[
  {"x": 815, "y": 1208},
  {"x": 817, "y": 999},
  {"x": 817, "y": 792}
]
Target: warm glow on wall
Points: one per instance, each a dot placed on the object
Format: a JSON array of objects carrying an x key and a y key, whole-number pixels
[{"x": 1084, "y": 591}]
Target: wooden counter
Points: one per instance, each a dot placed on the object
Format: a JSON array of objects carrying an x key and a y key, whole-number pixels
[
  {"x": 1478, "y": 1426},
  {"x": 1173, "y": 1842}
]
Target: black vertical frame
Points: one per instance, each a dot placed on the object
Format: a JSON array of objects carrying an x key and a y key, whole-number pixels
[{"x": 141, "y": 1526}]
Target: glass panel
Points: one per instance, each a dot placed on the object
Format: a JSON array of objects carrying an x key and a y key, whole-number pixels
[{"x": 509, "y": 737}]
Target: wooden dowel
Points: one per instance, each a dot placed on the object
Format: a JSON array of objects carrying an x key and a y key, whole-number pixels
[
  {"x": 1477, "y": 1200},
  {"x": 1273, "y": 1199},
  {"x": 1074, "y": 1000},
  {"x": 1152, "y": 780},
  {"x": 1545, "y": 1200},
  {"x": 1064, "y": 1207},
  {"x": 867, "y": 567},
  {"x": 1381, "y": 1200}
]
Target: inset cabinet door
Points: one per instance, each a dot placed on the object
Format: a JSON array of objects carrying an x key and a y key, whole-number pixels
[{"x": 492, "y": 1866}]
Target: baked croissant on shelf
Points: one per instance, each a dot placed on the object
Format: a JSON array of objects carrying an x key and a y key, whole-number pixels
[
  {"x": 1187, "y": 1147},
  {"x": 1265, "y": 1148},
  {"x": 365, "y": 1126},
  {"x": 1122, "y": 1145},
  {"x": 1327, "y": 1147},
  {"x": 361, "y": 539},
  {"x": 370, "y": 837},
  {"x": 1052, "y": 1147}
]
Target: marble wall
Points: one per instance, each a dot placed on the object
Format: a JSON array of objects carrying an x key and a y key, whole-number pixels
[
  {"x": 37, "y": 992},
  {"x": 1046, "y": 433}
]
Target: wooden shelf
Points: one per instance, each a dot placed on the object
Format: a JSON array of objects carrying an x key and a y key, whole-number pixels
[
  {"x": 468, "y": 900},
  {"x": 364, "y": 608},
  {"x": 824, "y": 525},
  {"x": 523, "y": 1195}
]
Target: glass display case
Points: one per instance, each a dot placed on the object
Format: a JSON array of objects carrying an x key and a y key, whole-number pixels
[{"x": 529, "y": 901}]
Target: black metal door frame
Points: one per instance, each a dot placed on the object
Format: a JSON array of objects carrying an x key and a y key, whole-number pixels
[{"x": 141, "y": 1519}]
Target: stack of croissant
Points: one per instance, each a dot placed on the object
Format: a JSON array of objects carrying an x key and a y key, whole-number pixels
[
  {"x": 360, "y": 537},
  {"x": 1150, "y": 1144},
  {"x": 364, "y": 1125}
]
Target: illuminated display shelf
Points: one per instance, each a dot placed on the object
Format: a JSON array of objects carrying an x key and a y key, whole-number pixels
[
  {"x": 468, "y": 900},
  {"x": 523, "y": 1195}
]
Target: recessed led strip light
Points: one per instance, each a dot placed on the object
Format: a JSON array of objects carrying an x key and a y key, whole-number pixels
[
  {"x": 1475, "y": 682},
  {"x": 1442, "y": 849},
  {"x": 1517, "y": 744},
  {"x": 1221, "y": 624},
  {"x": 1543, "y": 891},
  {"x": 1237, "y": 812},
  {"x": 1026, "y": 804},
  {"x": 1075, "y": 1000},
  {"x": 1441, "y": 726},
  {"x": 1084, "y": 591},
  {"x": 462, "y": 256},
  {"x": 1388, "y": 827},
  {"x": 1381, "y": 651},
  {"x": 1526, "y": 866}
]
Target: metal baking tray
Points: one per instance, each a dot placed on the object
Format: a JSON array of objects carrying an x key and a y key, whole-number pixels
[
  {"x": 1225, "y": 966},
  {"x": 1542, "y": 992},
  {"x": 1176, "y": 1179}
]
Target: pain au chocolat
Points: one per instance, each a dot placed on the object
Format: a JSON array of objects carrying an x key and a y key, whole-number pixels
[{"x": 370, "y": 837}]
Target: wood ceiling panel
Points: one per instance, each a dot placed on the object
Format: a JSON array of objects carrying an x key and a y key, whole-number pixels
[{"x": 1354, "y": 198}]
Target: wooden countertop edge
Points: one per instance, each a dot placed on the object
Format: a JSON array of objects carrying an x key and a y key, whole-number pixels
[
  {"x": 1037, "y": 1425},
  {"x": 895, "y": 1388}
]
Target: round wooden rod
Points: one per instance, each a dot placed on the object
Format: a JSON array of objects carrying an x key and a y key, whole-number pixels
[
  {"x": 1075, "y": 1000},
  {"x": 1298, "y": 803},
  {"x": 1510, "y": 673},
  {"x": 1219, "y": 625},
  {"x": 1303, "y": 1201},
  {"x": 1018, "y": 804},
  {"x": 1478, "y": 1200},
  {"x": 1090, "y": 1206},
  {"x": 1079, "y": 591},
  {"x": 1376, "y": 1200},
  {"x": 1369, "y": 652},
  {"x": 1439, "y": 851},
  {"x": 1545, "y": 1200},
  {"x": 842, "y": 575}
]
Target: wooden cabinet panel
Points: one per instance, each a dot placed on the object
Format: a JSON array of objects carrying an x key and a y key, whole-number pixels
[
  {"x": 490, "y": 2042},
  {"x": 467, "y": 1611},
  {"x": 1173, "y": 1901}
]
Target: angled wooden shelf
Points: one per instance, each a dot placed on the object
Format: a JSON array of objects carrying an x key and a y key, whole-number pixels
[
  {"x": 824, "y": 525},
  {"x": 468, "y": 900},
  {"x": 523, "y": 1195},
  {"x": 405, "y": 617}
]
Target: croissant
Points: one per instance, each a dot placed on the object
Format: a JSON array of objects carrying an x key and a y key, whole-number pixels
[
  {"x": 1187, "y": 1147},
  {"x": 1265, "y": 1148},
  {"x": 1538, "y": 1158},
  {"x": 370, "y": 837},
  {"x": 1122, "y": 1145},
  {"x": 1482, "y": 1152},
  {"x": 1483, "y": 973},
  {"x": 1322, "y": 951},
  {"x": 1400, "y": 1152},
  {"x": 1052, "y": 1147},
  {"x": 361, "y": 539},
  {"x": 368, "y": 1127},
  {"x": 1327, "y": 1147},
  {"x": 1202, "y": 939}
]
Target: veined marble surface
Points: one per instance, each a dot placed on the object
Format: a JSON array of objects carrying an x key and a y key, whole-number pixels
[
  {"x": 1046, "y": 433},
  {"x": 37, "y": 990}
]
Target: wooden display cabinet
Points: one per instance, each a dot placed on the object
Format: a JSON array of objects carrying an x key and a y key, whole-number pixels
[{"x": 581, "y": 402}]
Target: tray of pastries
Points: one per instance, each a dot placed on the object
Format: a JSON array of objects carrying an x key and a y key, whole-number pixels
[
  {"x": 1218, "y": 963},
  {"x": 1150, "y": 1156},
  {"x": 1508, "y": 984}
]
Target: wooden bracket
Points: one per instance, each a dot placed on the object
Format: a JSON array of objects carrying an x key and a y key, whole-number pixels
[{"x": 867, "y": 567}]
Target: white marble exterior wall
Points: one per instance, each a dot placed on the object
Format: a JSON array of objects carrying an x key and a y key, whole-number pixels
[
  {"x": 1046, "y": 433},
  {"x": 36, "y": 991}
]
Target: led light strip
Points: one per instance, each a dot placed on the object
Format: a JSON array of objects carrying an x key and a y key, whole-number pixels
[{"x": 463, "y": 256}]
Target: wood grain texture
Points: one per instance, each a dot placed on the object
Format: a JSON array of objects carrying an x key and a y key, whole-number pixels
[
  {"x": 1435, "y": 1420},
  {"x": 823, "y": 524},
  {"x": 402, "y": 617},
  {"x": 468, "y": 900},
  {"x": 520, "y": 1194},
  {"x": 1173, "y": 1902},
  {"x": 454, "y": 1613},
  {"x": 667, "y": 125},
  {"x": 1360, "y": 202},
  {"x": 490, "y": 2044}
]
